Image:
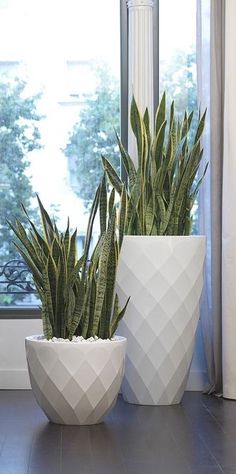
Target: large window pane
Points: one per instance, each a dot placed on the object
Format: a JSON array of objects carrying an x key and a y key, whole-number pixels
[
  {"x": 178, "y": 52},
  {"x": 178, "y": 71},
  {"x": 59, "y": 105}
]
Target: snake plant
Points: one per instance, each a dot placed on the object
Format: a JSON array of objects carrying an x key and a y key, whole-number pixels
[
  {"x": 77, "y": 295},
  {"x": 161, "y": 192}
]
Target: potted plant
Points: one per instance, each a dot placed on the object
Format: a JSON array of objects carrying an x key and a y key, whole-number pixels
[
  {"x": 161, "y": 264},
  {"x": 76, "y": 366}
]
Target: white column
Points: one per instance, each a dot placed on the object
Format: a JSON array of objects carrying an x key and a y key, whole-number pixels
[
  {"x": 140, "y": 66},
  {"x": 229, "y": 215}
]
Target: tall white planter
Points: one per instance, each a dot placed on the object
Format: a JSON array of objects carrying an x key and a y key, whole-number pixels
[
  {"x": 75, "y": 383},
  {"x": 164, "y": 277}
]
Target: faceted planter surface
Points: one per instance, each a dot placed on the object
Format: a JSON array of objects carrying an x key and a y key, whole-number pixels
[
  {"x": 164, "y": 277},
  {"x": 75, "y": 383}
]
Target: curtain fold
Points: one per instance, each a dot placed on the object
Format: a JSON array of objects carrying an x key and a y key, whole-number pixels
[
  {"x": 228, "y": 211},
  {"x": 210, "y": 68}
]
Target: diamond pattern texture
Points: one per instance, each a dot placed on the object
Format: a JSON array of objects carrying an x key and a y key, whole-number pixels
[
  {"x": 75, "y": 383},
  {"x": 164, "y": 277}
]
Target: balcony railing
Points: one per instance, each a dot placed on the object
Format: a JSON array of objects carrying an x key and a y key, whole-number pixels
[{"x": 15, "y": 278}]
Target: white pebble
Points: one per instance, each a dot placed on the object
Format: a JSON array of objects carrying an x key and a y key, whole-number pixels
[{"x": 79, "y": 339}]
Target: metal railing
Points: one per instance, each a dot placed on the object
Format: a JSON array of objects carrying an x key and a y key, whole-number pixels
[{"x": 16, "y": 278}]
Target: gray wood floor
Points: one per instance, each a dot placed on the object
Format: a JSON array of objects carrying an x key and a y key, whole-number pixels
[{"x": 196, "y": 437}]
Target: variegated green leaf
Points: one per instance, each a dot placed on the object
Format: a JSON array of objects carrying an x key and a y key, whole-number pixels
[
  {"x": 47, "y": 299},
  {"x": 200, "y": 127},
  {"x": 160, "y": 114},
  {"x": 103, "y": 273},
  {"x": 46, "y": 221},
  {"x": 103, "y": 206},
  {"x": 138, "y": 129},
  {"x": 86, "y": 311},
  {"x": 77, "y": 315},
  {"x": 122, "y": 215},
  {"x": 112, "y": 175},
  {"x": 117, "y": 316},
  {"x": 90, "y": 230},
  {"x": 149, "y": 217},
  {"x": 128, "y": 163},
  {"x": 111, "y": 202},
  {"x": 159, "y": 144},
  {"x": 35, "y": 272}
]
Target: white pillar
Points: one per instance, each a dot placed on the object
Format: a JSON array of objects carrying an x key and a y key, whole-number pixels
[{"x": 140, "y": 66}]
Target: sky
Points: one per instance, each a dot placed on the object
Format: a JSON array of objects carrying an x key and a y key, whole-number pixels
[
  {"x": 177, "y": 26},
  {"x": 59, "y": 29}
]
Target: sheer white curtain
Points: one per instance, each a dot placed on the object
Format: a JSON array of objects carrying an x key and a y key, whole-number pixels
[
  {"x": 210, "y": 67},
  {"x": 217, "y": 90},
  {"x": 228, "y": 207}
]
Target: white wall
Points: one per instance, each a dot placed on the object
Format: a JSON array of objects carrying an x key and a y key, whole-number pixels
[{"x": 13, "y": 366}]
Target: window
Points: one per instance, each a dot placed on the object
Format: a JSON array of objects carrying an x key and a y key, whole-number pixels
[
  {"x": 177, "y": 60},
  {"x": 59, "y": 105},
  {"x": 60, "y": 102},
  {"x": 177, "y": 53}
]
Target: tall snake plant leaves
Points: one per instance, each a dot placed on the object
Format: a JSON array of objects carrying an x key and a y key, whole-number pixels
[
  {"x": 88, "y": 237},
  {"x": 138, "y": 128},
  {"x": 160, "y": 193},
  {"x": 112, "y": 175},
  {"x": 160, "y": 115},
  {"x": 103, "y": 206},
  {"x": 110, "y": 280},
  {"x": 46, "y": 222},
  {"x": 117, "y": 315},
  {"x": 77, "y": 296},
  {"x": 127, "y": 161},
  {"x": 103, "y": 274},
  {"x": 111, "y": 202},
  {"x": 122, "y": 215}
]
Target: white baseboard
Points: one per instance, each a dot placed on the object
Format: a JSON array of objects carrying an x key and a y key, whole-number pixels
[
  {"x": 13, "y": 366},
  {"x": 14, "y": 379}
]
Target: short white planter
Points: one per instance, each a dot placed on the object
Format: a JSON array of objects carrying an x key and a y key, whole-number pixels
[
  {"x": 75, "y": 383},
  {"x": 164, "y": 277}
]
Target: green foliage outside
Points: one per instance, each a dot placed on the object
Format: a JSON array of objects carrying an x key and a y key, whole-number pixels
[
  {"x": 19, "y": 135},
  {"x": 94, "y": 134},
  {"x": 178, "y": 79}
]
